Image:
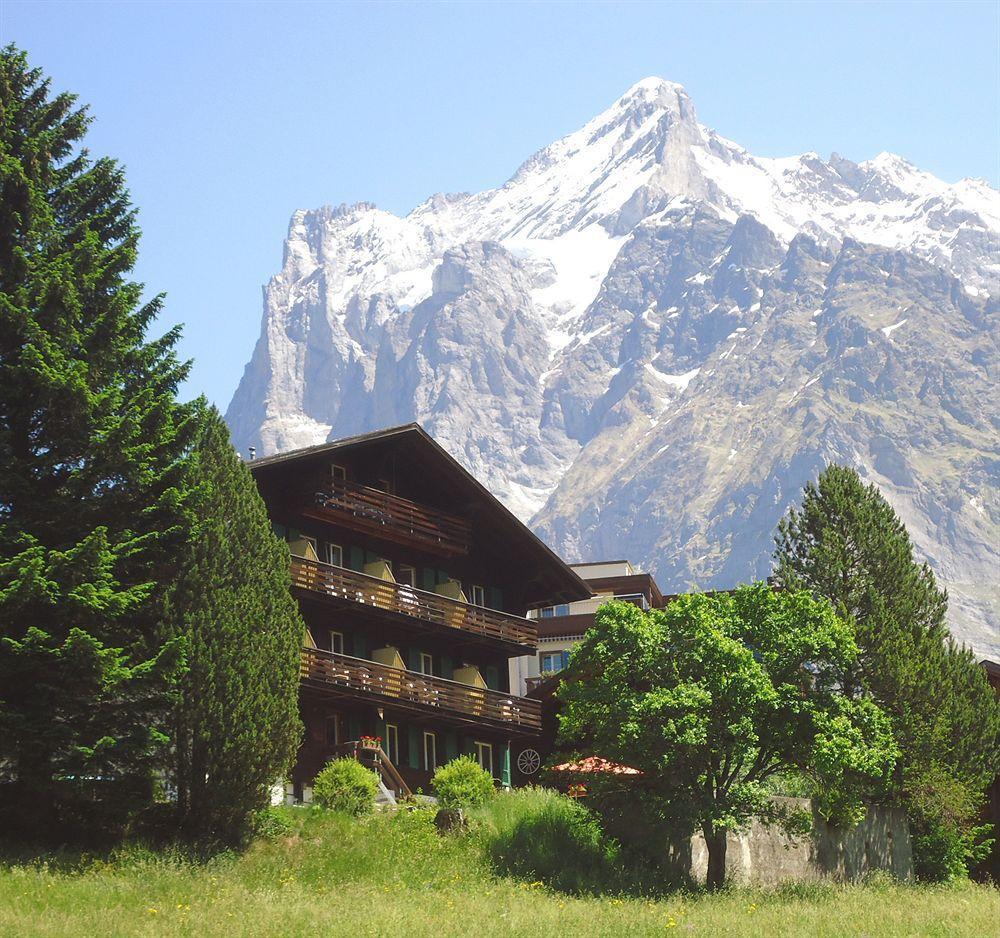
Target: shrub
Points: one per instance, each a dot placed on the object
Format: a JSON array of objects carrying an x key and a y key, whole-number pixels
[
  {"x": 346, "y": 785},
  {"x": 271, "y": 823},
  {"x": 462, "y": 783},
  {"x": 540, "y": 835}
]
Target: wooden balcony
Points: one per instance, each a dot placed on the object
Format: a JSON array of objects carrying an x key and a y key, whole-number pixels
[
  {"x": 391, "y": 518},
  {"x": 447, "y": 701},
  {"x": 414, "y": 608}
]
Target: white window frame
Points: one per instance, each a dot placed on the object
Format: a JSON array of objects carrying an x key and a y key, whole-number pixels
[
  {"x": 336, "y": 638},
  {"x": 333, "y": 554},
  {"x": 430, "y": 752},
  {"x": 337, "y": 473},
  {"x": 477, "y": 595},
  {"x": 392, "y": 742},
  {"x": 483, "y": 750},
  {"x": 407, "y": 575},
  {"x": 426, "y": 664}
]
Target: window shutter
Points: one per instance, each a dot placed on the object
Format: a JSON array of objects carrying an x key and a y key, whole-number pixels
[
  {"x": 450, "y": 746},
  {"x": 353, "y": 727},
  {"x": 492, "y": 677},
  {"x": 416, "y": 741},
  {"x": 356, "y": 558},
  {"x": 413, "y": 659},
  {"x": 360, "y": 651},
  {"x": 565, "y": 659},
  {"x": 447, "y": 668},
  {"x": 427, "y": 579},
  {"x": 495, "y": 598}
]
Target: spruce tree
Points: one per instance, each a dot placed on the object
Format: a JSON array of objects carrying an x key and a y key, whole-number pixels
[
  {"x": 93, "y": 490},
  {"x": 846, "y": 543},
  {"x": 237, "y": 725}
]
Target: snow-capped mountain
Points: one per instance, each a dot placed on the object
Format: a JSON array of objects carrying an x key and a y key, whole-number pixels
[{"x": 648, "y": 339}]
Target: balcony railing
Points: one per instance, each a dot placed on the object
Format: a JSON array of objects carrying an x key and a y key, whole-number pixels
[
  {"x": 343, "y": 585},
  {"x": 324, "y": 670},
  {"x": 392, "y": 518}
]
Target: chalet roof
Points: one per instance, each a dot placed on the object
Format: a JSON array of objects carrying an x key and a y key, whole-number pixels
[{"x": 557, "y": 580}]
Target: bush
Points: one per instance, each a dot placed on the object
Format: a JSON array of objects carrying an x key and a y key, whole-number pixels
[
  {"x": 540, "y": 835},
  {"x": 462, "y": 783},
  {"x": 346, "y": 785},
  {"x": 271, "y": 823}
]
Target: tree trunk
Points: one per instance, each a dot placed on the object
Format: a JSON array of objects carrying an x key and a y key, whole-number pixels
[{"x": 715, "y": 840}]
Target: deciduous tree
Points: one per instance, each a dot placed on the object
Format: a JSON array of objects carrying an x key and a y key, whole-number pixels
[{"x": 713, "y": 696}]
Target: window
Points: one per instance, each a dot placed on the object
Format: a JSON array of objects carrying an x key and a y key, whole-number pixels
[
  {"x": 406, "y": 575},
  {"x": 484, "y": 756},
  {"x": 383, "y": 485},
  {"x": 336, "y": 642},
  {"x": 333, "y": 729},
  {"x": 547, "y": 612},
  {"x": 337, "y": 473},
  {"x": 333, "y": 554},
  {"x": 430, "y": 752},
  {"x": 426, "y": 664},
  {"x": 477, "y": 595},
  {"x": 392, "y": 742},
  {"x": 551, "y": 661}
]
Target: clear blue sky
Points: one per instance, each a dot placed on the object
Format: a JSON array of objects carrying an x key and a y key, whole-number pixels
[{"x": 229, "y": 116}]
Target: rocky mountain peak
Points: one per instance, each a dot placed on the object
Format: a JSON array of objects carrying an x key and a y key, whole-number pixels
[{"x": 648, "y": 339}]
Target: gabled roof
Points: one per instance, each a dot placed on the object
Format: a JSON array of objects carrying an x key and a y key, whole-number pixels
[{"x": 559, "y": 583}]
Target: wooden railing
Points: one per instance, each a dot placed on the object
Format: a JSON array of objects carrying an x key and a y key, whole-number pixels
[
  {"x": 324, "y": 669},
  {"x": 375, "y": 757},
  {"x": 392, "y": 518},
  {"x": 343, "y": 584}
]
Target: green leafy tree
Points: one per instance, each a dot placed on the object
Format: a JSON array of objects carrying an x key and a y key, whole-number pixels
[
  {"x": 237, "y": 726},
  {"x": 93, "y": 497},
  {"x": 714, "y": 696},
  {"x": 846, "y": 544}
]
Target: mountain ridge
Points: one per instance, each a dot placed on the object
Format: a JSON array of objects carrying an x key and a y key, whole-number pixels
[{"x": 643, "y": 280}]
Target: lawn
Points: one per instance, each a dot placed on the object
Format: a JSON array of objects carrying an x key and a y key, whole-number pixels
[{"x": 394, "y": 875}]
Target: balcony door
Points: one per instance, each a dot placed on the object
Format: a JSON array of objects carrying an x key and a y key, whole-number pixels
[
  {"x": 430, "y": 751},
  {"x": 392, "y": 742},
  {"x": 484, "y": 756}
]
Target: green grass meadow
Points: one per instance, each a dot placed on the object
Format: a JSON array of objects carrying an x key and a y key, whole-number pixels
[{"x": 392, "y": 874}]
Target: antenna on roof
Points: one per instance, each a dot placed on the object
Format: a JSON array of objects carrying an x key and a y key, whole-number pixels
[{"x": 252, "y": 450}]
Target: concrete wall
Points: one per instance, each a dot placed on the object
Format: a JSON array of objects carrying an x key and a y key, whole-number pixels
[{"x": 766, "y": 856}]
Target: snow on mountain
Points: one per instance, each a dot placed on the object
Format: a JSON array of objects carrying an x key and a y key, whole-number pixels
[{"x": 572, "y": 335}]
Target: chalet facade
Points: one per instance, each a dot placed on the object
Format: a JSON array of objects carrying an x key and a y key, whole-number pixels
[
  {"x": 562, "y": 625},
  {"x": 415, "y": 585}
]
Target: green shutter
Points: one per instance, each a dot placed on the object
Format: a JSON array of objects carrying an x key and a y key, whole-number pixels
[
  {"x": 447, "y": 668},
  {"x": 414, "y": 753},
  {"x": 353, "y": 727},
  {"x": 496, "y": 598},
  {"x": 505, "y": 773},
  {"x": 413, "y": 657},
  {"x": 427, "y": 578},
  {"x": 492, "y": 677},
  {"x": 450, "y": 746},
  {"x": 356, "y": 558},
  {"x": 360, "y": 651}
]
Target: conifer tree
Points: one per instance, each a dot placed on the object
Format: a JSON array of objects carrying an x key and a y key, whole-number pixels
[
  {"x": 93, "y": 490},
  {"x": 237, "y": 724},
  {"x": 846, "y": 543}
]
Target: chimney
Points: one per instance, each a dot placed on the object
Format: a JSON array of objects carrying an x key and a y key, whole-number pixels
[{"x": 252, "y": 450}]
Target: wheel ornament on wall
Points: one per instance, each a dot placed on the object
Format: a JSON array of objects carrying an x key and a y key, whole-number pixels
[{"x": 528, "y": 761}]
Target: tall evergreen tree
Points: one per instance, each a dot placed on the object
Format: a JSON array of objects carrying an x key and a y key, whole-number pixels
[
  {"x": 93, "y": 484},
  {"x": 237, "y": 726},
  {"x": 847, "y": 544}
]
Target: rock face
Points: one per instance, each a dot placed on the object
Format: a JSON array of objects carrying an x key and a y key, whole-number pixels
[{"x": 647, "y": 340}]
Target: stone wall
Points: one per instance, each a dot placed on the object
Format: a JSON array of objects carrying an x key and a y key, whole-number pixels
[{"x": 766, "y": 856}]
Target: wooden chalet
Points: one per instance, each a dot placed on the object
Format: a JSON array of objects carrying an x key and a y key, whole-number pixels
[{"x": 414, "y": 582}]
